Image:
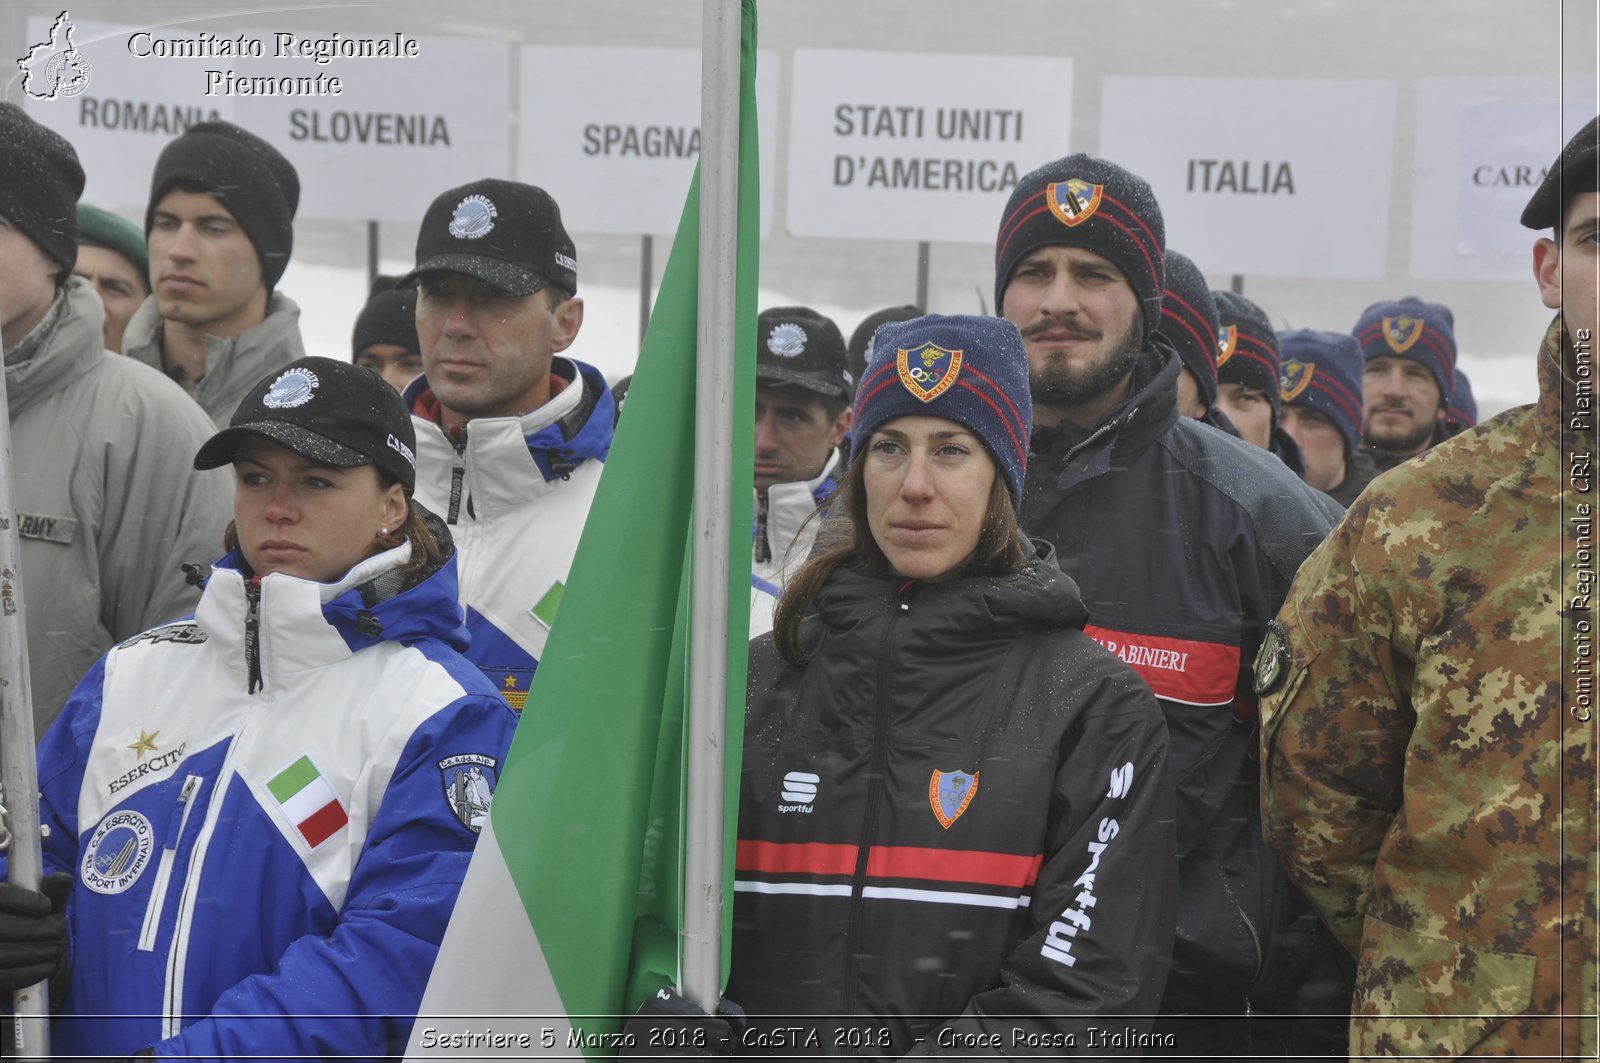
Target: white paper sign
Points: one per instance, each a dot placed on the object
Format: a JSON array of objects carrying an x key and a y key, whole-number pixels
[
  {"x": 616, "y": 158},
  {"x": 1270, "y": 177},
  {"x": 905, "y": 146},
  {"x": 373, "y": 135},
  {"x": 1483, "y": 147}
]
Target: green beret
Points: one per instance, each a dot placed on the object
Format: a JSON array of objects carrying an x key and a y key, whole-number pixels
[{"x": 105, "y": 229}]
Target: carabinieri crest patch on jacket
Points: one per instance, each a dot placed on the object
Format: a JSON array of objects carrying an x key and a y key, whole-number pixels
[
  {"x": 118, "y": 852},
  {"x": 1296, "y": 378},
  {"x": 1075, "y": 201},
  {"x": 950, "y": 793},
  {"x": 469, "y": 787},
  {"x": 1401, "y": 333},
  {"x": 928, "y": 371},
  {"x": 1227, "y": 342}
]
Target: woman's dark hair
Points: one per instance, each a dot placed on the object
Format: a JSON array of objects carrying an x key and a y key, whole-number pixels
[
  {"x": 426, "y": 553},
  {"x": 846, "y": 539}
]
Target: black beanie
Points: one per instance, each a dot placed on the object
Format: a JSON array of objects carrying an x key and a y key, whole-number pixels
[
  {"x": 860, "y": 345},
  {"x": 1247, "y": 347},
  {"x": 1575, "y": 171},
  {"x": 248, "y": 176},
  {"x": 390, "y": 316},
  {"x": 1081, "y": 201},
  {"x": 40, "y": 182},
  {"x": 1189, "y": 320}
]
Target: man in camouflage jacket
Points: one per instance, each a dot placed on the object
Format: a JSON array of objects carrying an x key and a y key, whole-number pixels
[{"x": 1428, "y": 731}]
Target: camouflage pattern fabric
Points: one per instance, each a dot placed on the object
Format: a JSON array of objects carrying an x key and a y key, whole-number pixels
[{"x": 1428, "y": 736}]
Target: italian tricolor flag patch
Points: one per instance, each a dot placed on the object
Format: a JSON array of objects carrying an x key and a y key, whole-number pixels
[{"x": 309, "y": 801}]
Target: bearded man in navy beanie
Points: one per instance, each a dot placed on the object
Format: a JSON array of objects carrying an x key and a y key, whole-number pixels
[
  {"x": 1183, "y": 540},
  {"x": 1410, "y": 348},
  {"x": 220, "y": 225}
]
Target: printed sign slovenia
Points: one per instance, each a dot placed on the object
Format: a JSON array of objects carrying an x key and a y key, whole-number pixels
[
  {"x": 895, "y": 146},
  {"x": 619, "y": 160},
  {"x": 1250, "y": 172}
]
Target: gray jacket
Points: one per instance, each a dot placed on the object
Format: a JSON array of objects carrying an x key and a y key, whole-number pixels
[
  {"x": 108, "y": 502},
  {"x": 234, "y": 363}
]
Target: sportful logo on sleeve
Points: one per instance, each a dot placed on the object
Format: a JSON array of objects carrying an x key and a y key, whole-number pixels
[{"x": 309, "y": 802}]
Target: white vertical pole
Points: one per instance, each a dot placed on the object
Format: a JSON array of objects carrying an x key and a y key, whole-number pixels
[{"x": 709, "y": 636}]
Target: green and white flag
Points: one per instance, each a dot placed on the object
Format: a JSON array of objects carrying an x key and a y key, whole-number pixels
[{"x": 571, "y": 911}]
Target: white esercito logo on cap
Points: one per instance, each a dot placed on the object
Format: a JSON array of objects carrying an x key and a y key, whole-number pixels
[
  {"x": 402, "y": 450},
  {"x": 474, "y": 218},
  {"x": 787, "y": 340},
  {"x": 294, "y": 388}
]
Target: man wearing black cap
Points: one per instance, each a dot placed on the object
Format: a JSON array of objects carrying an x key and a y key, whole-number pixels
[
  {"x": 1429, "y": 750},
  {"x": 1182, "y": 538},
  {"x": 1248, "y": 371},
  {"x": 511, "y": 436},
  {"x": 112, "y": 257},
  {"x": 384, "y": 339},
  {"x": 803, "y": 391},
  {"x": 220, "y": 226},
  {"x": 107, "y": 508}
]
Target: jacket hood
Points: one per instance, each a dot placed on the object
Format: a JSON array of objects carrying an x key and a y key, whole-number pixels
[
  {"x": 984, "y": 608},
  {"x": 305, "y": 624},
  {"x": 562, "y": 433},
  {"x": 72, "y": 346}
]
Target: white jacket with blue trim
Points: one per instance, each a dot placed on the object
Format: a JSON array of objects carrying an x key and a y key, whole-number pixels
[
  {"x": 270, "y": 872},
  {"x": 515, "y": 492}
]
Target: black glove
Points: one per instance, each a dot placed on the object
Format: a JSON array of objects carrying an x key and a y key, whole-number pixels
[
  {"x": 33, "y": 935},
  {"x": 670, "y": 1026}
]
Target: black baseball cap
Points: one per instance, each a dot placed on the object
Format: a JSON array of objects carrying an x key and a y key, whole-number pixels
[
  {"x": 331, "y": 412},
  {"x": 504, "y": 233},
  {"x": 799, "y": 347},
  {"x": 1576, "y": 171}
]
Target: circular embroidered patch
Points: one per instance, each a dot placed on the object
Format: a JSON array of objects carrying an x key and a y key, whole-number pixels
[
  {"x": 118, "y": 852},
  {"x": 294, "y": 388},
  {"x": 474, "y": 218}
]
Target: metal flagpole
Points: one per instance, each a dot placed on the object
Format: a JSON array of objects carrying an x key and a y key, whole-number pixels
[
  {"x": 19, "y": 771},
  {"x": 708, "y": 627}
]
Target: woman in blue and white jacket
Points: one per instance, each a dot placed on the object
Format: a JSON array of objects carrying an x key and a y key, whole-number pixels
[{"x": 267, "y": 810}]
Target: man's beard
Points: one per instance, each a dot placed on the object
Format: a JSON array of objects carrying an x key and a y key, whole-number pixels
[
  {"x": 1411, "y": 441},
  {"x": 1059, "y": 384}
]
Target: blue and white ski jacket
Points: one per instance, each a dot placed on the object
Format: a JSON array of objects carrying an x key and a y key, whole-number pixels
[
  {"x": 268, "y": 811},
  {"x": 515, "y": 492}
]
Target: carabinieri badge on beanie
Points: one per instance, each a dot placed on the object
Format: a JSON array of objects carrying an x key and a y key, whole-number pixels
[
  {"x": 1075, "y": 201},
  {"x": 929, "y": 370}
]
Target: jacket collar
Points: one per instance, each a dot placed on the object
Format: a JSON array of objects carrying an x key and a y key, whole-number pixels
[
  {"x": 233, "y": 363},
  {"x": 305, "y": 624},
  {"x": 1559, "y": 408},
  {"x": 509, "y": 460},
  {"x": 790, "y": 504},
  {"x": 68, "y": 344},
  {"x": 1136, "y": 423}
]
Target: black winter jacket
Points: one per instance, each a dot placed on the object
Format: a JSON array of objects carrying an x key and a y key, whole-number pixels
[
  {"x": 1183, "y": 541},
  {"x": 955, "y": 825}
]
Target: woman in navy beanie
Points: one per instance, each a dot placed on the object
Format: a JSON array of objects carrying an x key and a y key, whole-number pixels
[{"x": 955, "y": 820}]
